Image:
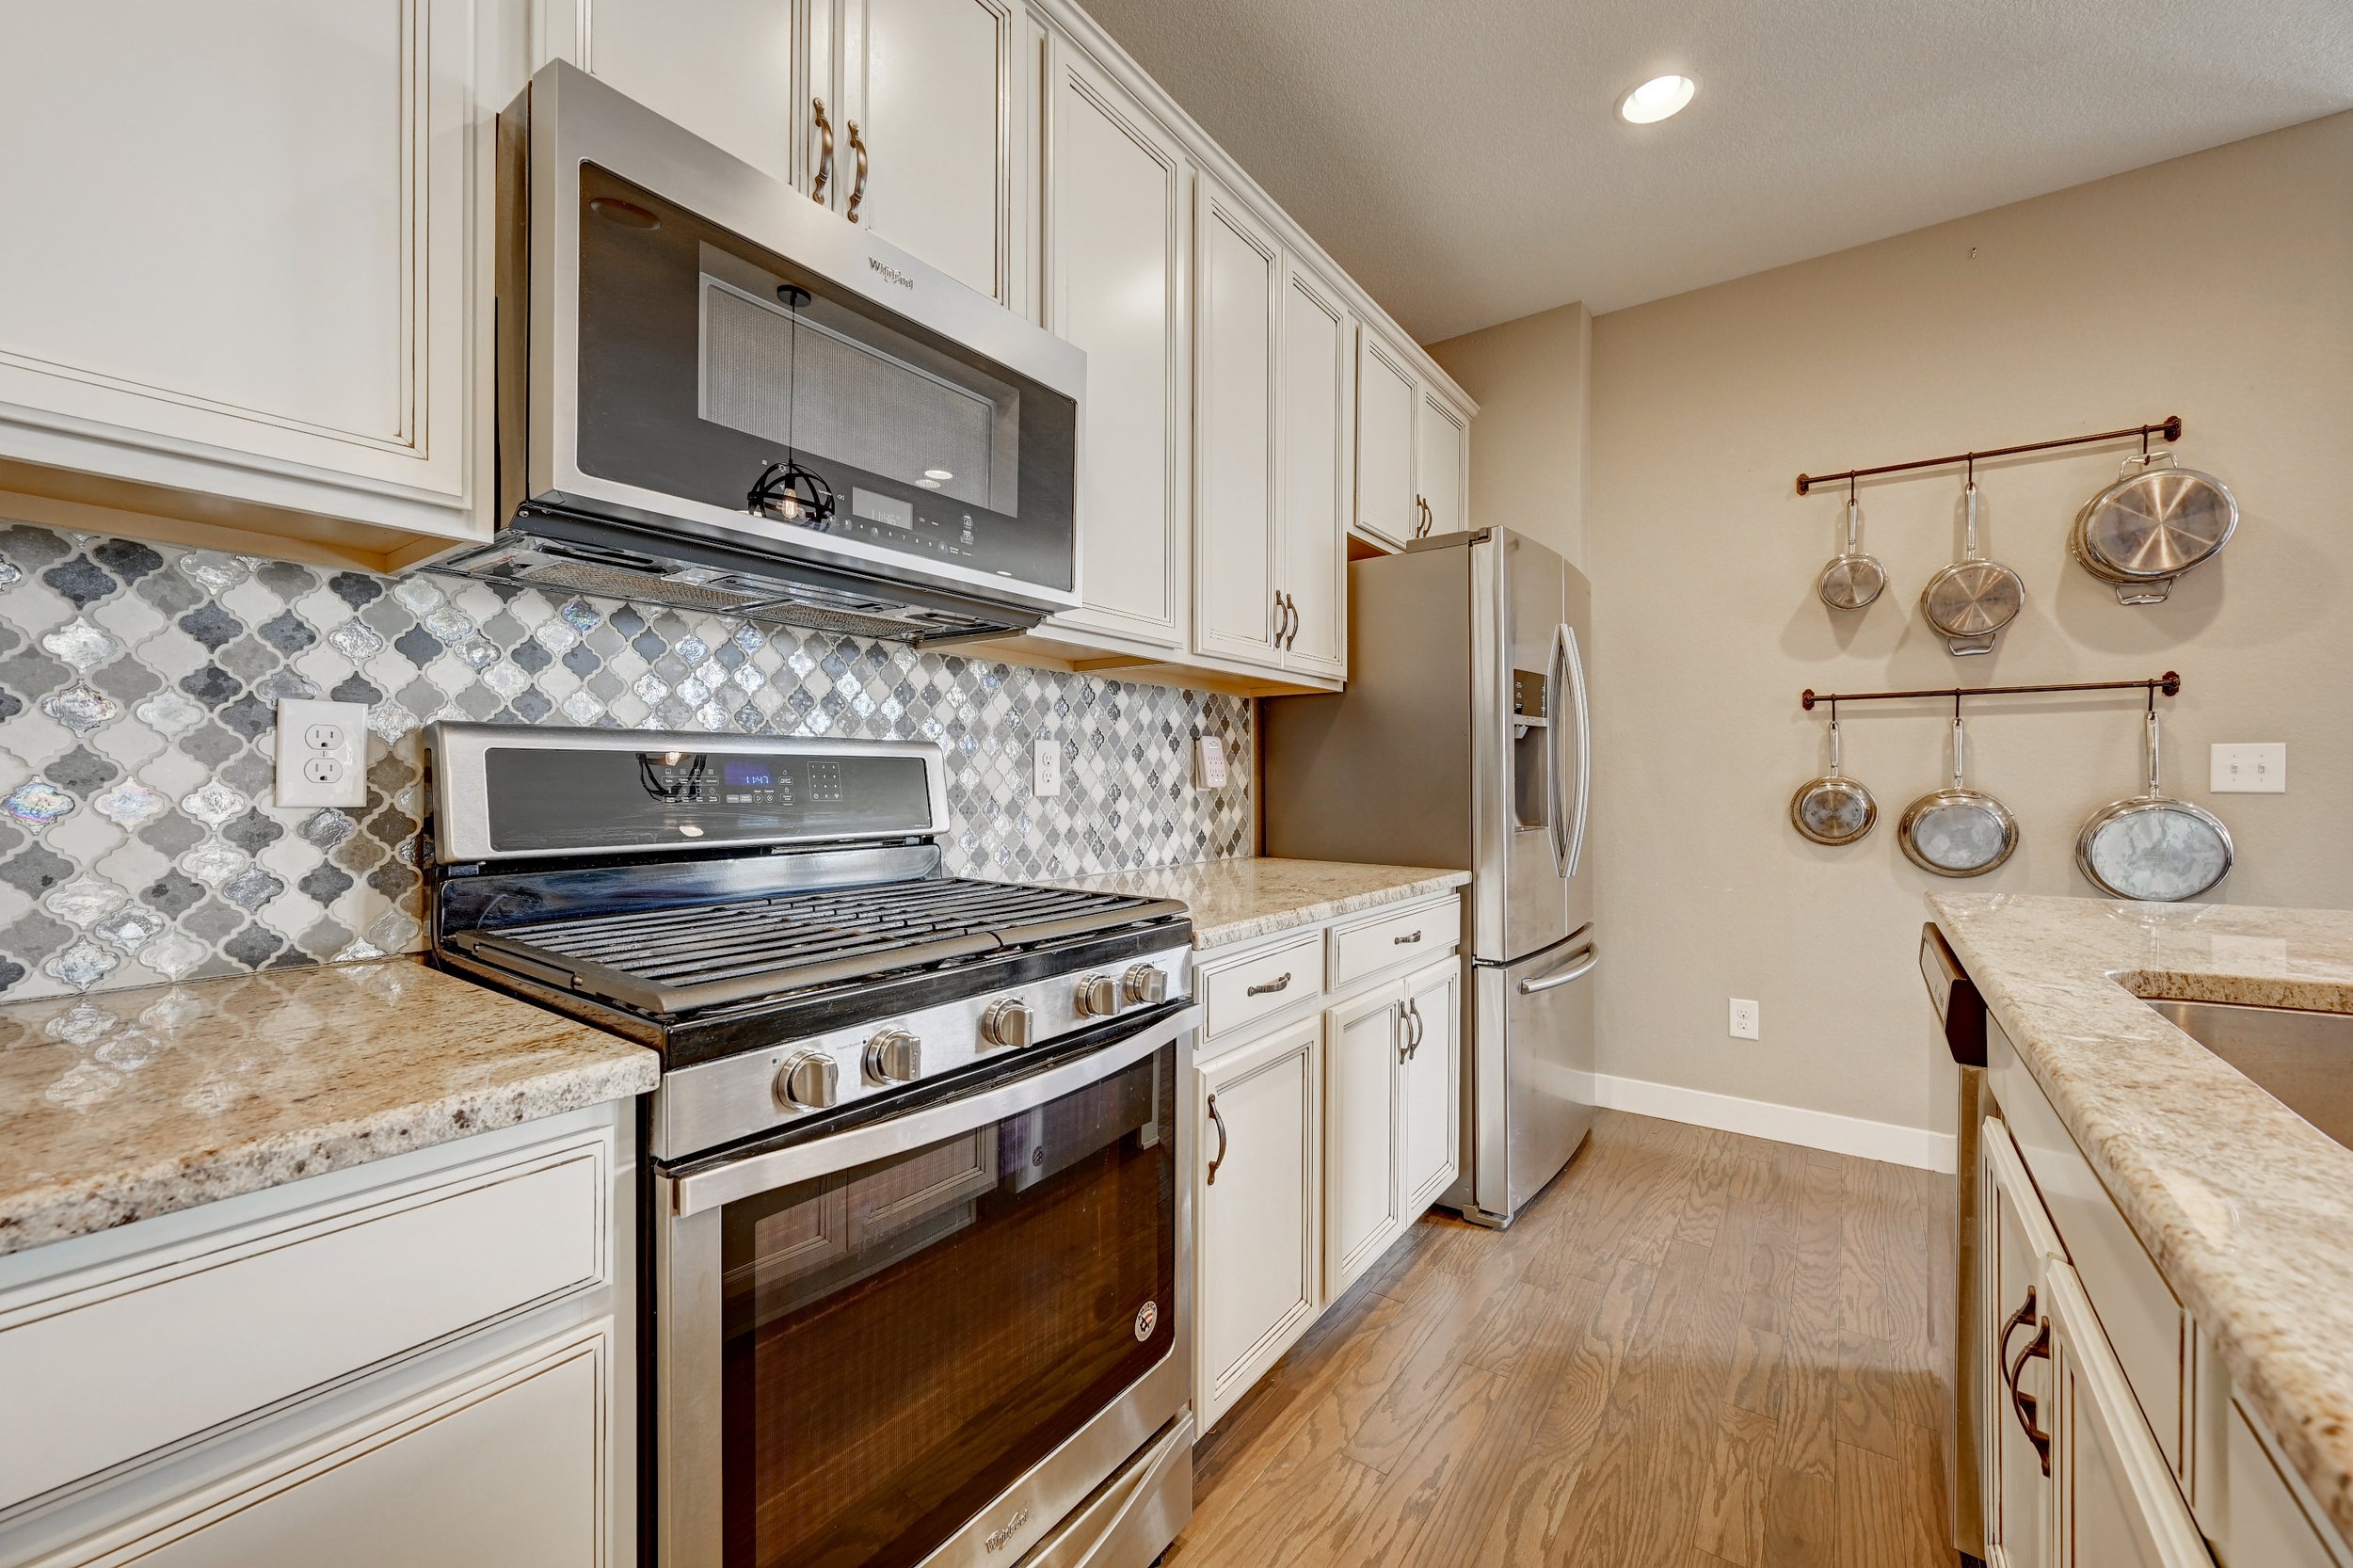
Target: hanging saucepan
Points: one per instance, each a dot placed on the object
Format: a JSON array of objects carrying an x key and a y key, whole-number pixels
[
  {"x": 2152, "y": 848},
  {"x": 1972, "y": 598},
  {"x": 2154, "y": 523},
  {"x": 1957, "y": 831},
  {"x": 1833, "y": 808},
  {"x": 1852, "y": 579}
]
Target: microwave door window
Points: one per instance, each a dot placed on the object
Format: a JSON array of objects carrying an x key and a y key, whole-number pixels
[{"x": 704, "y": 359}]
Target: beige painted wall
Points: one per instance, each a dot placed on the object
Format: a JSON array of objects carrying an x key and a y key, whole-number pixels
[
  {"x": 1527, "y": 447},
  {"x": 2218, "y": 287}
]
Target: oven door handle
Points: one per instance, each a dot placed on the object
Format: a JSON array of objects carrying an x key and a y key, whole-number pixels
[{"x": 766, "y": 1173}]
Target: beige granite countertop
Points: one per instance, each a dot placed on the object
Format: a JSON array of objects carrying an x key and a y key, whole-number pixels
[
  {"x": 2246, "y": 1208},
  {"x": 1235, "y": 899},
  {"x": 126, "y": 1104}
]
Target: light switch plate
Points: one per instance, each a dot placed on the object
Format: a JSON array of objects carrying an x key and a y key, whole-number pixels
[
  {"x": 1046, "y": 766},
  {"x": 2244, "y": 768},
  {"x": 322, "y": 753},
  {"x": 1208, "y": 763}
]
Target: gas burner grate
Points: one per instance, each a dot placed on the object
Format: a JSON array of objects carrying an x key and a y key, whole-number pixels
[{"x": 668, "y": 962}]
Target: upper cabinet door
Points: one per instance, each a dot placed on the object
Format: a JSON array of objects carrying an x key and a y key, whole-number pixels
[
  {"x": 1442, "y": 464},
  {"x": 1115, "y": 253},
  {"x": 1238, "y": 290},
  {"x": 723, "y": 69},
  {"x": 1386, "y": 395},
  {"x": 242, "y": 255},
  {"x": 1312, "y": 431},
  {"x": 930, "y": 145}
]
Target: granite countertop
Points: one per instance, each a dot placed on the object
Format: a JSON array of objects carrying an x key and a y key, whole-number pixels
[
  {"x": 1236, "y": 900},
  {"x": 122, "y": 1105},
  {"x": 2246, "y": 1208}
]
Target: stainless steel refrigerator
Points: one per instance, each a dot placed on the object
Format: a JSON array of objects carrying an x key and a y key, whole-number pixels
[{"x": 1462, "y": 740}]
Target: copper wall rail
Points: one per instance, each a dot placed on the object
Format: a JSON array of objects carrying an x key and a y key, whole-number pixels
[
  {"x": 2171, "y": 428},
  {"x": 2170, "y": 684}
]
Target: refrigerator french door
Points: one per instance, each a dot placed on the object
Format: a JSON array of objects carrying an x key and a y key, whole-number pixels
[{"x": 1465, "y": 739}]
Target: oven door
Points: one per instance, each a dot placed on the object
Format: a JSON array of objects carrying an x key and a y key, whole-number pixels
[{"x": 924, "y": 1337}]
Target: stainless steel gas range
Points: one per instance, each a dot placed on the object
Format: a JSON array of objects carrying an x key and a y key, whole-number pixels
[{"x": 917, "y": 1282}]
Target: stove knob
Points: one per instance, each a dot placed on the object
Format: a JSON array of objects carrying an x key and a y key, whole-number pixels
[
  {"x": 1098, "y": 997},
  {"x": 1146, "y": 985},
  {"x": 1006, "y": 1023},
  {"x": 894, "y": 1056},
  {"x": 809, "y": 1081}
]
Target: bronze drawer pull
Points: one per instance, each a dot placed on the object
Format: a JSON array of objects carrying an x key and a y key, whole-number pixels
[
  {"x": 2022, "y": 1404},
  {"x": 1279, "y": 983},
  {"x": 1402, "y": 941}
]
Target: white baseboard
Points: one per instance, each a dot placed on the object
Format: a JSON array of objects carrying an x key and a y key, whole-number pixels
[{"x": 1784, "y": 1124}]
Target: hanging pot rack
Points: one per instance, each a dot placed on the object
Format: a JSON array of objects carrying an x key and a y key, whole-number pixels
[
  {"x": 2170, "y": 684},
  {"x": 2171, "y": 428}
]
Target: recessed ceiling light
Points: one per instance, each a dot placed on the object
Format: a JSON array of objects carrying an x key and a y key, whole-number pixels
[
  {"x": 937, "y": 473},
  {"x": 1656, "y": 99},
  {"x": 927, "y": 484}
]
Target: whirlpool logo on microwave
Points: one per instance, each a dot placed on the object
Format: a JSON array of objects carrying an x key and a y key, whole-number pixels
[{"x": 891, "y": 273}]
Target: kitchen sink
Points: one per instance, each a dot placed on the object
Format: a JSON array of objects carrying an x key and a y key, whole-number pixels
[{"x": 2302, "y": 1059}]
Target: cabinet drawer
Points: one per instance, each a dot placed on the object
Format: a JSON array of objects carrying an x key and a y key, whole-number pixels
[
  {"x": 1255, "y": 987},
  {"x": 106, "y": 1366},
  {"x": 1371, "y": 946}
]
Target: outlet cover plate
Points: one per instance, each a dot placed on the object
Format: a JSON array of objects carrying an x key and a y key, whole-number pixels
[
  {"x": 2250, "y": 768},
  {"x": 1046, "y": 766},
  {"x": 322, "y": 753},
  {"x": 1744, "y": 1024}
]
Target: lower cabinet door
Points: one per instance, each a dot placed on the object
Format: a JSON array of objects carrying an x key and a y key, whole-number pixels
[
  {"x": 1364, "y": 1204},
  {"x": 2114, "y": 1501},
  {"x": 1257, "y": 1246},
  {"x": 1429, "y": 1086},
  {"x": 506, "y": 1468},
  {"x": 2017, "y": 1248}
]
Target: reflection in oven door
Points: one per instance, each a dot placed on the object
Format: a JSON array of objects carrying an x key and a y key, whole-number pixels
[{"x": 903, "y": 1339}]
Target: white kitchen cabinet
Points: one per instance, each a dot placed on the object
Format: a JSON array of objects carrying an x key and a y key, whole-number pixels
[
  {"x": 2016, "y": 1250},
  {"x": 1117, "y": 242},
  {"x": 1238, "y": 289},
  {"x": 907, "y": 116},
  {"x": 934, "y": 135},
  {"x": 1256, "y": 1244},
  {"x": 1441, "y": 463},
  {"x": 1364, "y": 1072},
  {"x": 1388, "y": 395},
  {"x": 734, "y": 72},
  {"x": 2114, "y": 1501},
  {"x": 249, "y": 263},
  {"x": 1314, "y": 352},
  {"x": 1429, "y": 1092}
]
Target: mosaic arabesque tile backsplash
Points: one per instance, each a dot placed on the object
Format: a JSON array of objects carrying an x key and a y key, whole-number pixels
[{"x": 137, "y": 683}]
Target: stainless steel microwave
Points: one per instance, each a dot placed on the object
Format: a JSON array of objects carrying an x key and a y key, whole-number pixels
[{"x": 713, "y": 393}]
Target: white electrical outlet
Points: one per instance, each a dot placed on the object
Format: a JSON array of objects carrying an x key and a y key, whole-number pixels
[
  {"x": 1208, "y": 763},
  {"x": 1046, "y": 766},
  {"x": 2258, "y": 769},
  {"x": 1743, "y": 1019},
  {"x": 322, "y": 753}
]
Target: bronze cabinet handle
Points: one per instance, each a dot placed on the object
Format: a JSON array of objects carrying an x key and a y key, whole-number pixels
[
  {"x": 1219, "y": 1122},
  {"x": 1412, "y": 1009},
  {"x": 1405, "y": 941},
  {"x": 858, "y": 190},
  {"x": 1278, "y": 983},
  {"x": 1291, "y": 638},
  {"x": 825, "y": 156},
  {"x": 2022, "y": 1404}
]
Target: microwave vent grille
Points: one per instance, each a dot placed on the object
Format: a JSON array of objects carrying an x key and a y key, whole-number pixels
[{"x": 614, "y": 583}]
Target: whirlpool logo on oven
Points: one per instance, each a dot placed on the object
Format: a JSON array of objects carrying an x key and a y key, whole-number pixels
[{"x": 890, "y": 274}]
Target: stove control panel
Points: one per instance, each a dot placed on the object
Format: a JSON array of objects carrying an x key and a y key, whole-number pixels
[{"x": 715, "y": 1102}]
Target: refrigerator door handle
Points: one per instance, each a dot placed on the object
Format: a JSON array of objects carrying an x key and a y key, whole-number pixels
[
  {"x": 1577, "y": 966},
  {"x": 1571, "y": 691}
]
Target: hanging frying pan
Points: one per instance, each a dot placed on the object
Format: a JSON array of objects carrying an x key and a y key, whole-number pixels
[
  {"x": 1833, "y": 810},
  {"x": 1852, "y": 579},
  {"x": 2154, "y": 523},
  {"x": 1957, "y": 831},
  {"x": 1972, "y": 598},
  {"x": 2152, "y": 848}
]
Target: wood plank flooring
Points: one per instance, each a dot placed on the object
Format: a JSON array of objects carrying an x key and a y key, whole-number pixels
[{"x": 1693, "y": 1350}]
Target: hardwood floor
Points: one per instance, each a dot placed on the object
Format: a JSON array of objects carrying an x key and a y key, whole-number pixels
[{"x": 1693, "y": 1350}]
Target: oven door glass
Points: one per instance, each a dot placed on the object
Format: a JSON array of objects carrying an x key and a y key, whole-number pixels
[
  {"x": 704, "y": 358},
  {"x": 902, "y": 1339}
]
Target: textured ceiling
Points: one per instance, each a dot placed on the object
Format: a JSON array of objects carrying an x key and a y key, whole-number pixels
[{"x": 1464, "y": 160}]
